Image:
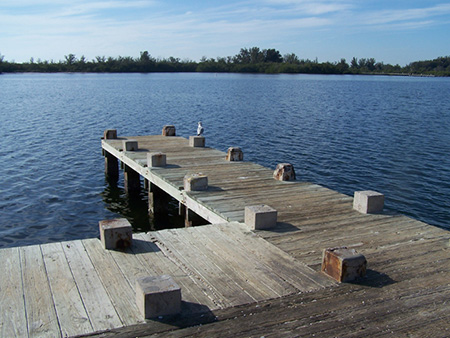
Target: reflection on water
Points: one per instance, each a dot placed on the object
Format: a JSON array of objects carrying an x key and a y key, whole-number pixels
[{"x": 134, "y": 207}]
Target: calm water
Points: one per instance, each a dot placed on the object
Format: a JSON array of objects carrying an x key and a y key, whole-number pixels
[{"x": 389, "y": 134}]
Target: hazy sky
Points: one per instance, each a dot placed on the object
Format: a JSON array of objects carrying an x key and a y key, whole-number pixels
[{"x": 394, "y": 31}]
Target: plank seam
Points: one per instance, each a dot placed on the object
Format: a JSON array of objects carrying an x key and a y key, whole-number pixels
[
  {"x": 172, "y": 257},
  {"x": 50, "y": 288}
]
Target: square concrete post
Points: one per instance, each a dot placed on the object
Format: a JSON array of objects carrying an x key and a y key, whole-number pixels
[
  {"x": 110, "y": 134},
  {"x": 343, "y": 264},
  {"x": 368, "y": 202},
  {"x": 130, "y": 145},
  {"x": 259, "y": 217},
  {"x": 116, "y": 233},
  {"x": 195, "y": 182},
  {"x": 157, "y": 296},
  {"x": 156, "y": 160},
  {"x": 168, "y": 130},
  {"x": 197, "y": 141}
]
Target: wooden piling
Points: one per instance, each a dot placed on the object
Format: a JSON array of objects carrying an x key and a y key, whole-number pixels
[
  {"x": 158, "y": 200},
  {"x": 132, "y": 182},
  {"x": 111, "y": 167}
]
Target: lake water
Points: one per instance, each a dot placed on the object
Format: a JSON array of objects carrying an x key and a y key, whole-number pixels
[{"x": 389, "y": 134}]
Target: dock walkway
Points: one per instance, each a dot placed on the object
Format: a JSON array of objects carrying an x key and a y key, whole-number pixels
[
  {"x": 77, "y": 287},
  {"x": 238, "y": 282}
]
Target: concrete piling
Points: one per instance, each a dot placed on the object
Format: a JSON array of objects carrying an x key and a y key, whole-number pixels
[
  {"x": 158, "y": 296},
  {"x": 368, "y": 202}
]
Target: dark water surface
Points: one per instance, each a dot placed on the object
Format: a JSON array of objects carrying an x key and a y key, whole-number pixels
[{"x": 389, "y": 134}]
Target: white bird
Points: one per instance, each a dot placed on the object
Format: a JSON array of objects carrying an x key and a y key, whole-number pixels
[{"x": 200, "y": 129}]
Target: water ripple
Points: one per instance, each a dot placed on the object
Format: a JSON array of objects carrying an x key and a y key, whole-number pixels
[{"x": 344, "y": 132}]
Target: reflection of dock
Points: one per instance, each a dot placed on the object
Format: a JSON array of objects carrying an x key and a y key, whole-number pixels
[{"x": 241, "y": 282}]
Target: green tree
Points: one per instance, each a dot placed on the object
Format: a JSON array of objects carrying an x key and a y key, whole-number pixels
[
  {"x": 272, "y": 55},
  {"x": 291, "y": 58},
  {"x": 342, "y": 67},
  {"x": 70, "y": 59}
]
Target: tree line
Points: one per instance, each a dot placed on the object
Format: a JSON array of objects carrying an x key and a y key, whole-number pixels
[{"x": 248, "y": 60}]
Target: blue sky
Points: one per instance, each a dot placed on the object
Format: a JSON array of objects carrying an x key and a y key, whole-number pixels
[{"x": 395, "y": 31}]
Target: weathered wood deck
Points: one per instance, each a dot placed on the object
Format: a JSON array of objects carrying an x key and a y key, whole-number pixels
[
  {"x": 77, "y": 287},
  {"x": 234, "y": 281}
]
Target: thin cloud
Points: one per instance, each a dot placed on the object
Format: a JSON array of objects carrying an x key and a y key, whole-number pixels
[
  {"x": 398, "y": 16},
  {"x": 115, "y": 27}
]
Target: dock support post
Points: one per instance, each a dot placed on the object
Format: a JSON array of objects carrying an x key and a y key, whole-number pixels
[
  {"x": 191, "y": 218},
  {"x": 132, "y": 182},
  {"x": 181, "y": 209},
  {"x": 111, "y": 167},
  {"x": 158, "y": 200}
]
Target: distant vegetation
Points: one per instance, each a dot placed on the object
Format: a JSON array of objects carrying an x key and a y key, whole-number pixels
[{"x": 252, "y": 60}]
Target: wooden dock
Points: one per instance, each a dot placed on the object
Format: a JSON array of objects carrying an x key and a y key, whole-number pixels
[{"x": 234, "y": 281}]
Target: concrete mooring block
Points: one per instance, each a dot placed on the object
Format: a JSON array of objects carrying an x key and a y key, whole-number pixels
[
  {"x": 197, "y": 141},
  {"x": 110, "y": 134},
  {"x": 343, "y": 264},
  {"x": 260, "y": 217},
  {"x": 156, "y": 160},
  {"x": 158, "y": 296},
  {"x": 234, "y": 154},
  {"x": 368, "y": 202},
  {"x": 168, "y": 130},
  {"x": 130, "y": 145},
  {"x": 195, "y": 182},
  {"x": 116, "y": 233},
  {"x": 284, "y": 172}
]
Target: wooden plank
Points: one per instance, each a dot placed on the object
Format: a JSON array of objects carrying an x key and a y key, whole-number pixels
[
  {"x": 156, "y": 258},
  {"x": 294, "y": 272},
  {"x": 39, "y": 307},
  {"x": 226, "y": 265},
  {"x": 121, "y": 293},
  {"x": 224, "y": 290},
  {"x": 72, "y": 316},
  {"x": 95, "y": 298},
  {"x": 241, "y": 259},
  {"x": 407, "y": 283},
  {"x": 13, "y": 322}
]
